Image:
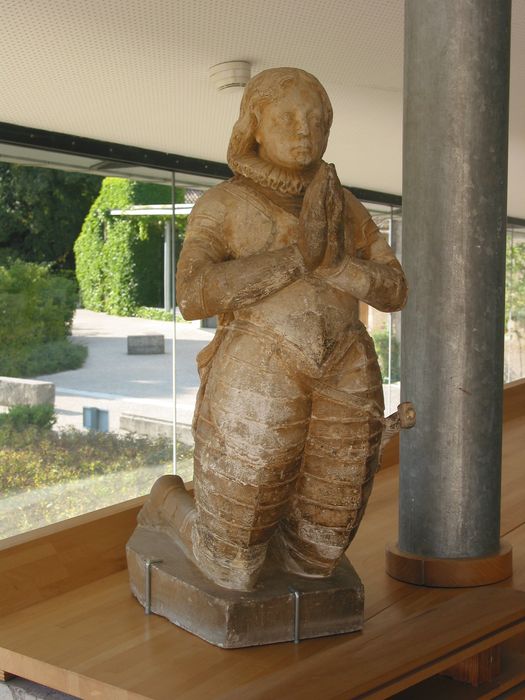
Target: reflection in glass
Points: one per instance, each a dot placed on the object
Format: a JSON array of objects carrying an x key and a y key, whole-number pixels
[
  {"x": 515, "y": 305},
  {"x": 191, "y": 338},
  {"x": 385, "y": 329}
]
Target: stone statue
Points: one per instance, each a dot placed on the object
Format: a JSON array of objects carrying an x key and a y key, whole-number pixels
[{"x": 290, "y": 410}]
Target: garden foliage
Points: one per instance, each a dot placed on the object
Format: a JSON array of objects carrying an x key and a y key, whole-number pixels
[
  {"x": 41, "y": 212},
  {"x": 19, "y": 418},
  {"x": 35, "y": 457},
  {"x": 36, "y": 313},
  {"x": 380, "y": 339},
  {"x": 515, "y": 287},
  {"x": 119, "y": 259},
  {"x": 47, "y": 475}
]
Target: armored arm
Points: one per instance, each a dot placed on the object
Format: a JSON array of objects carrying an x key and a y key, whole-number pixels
[
  {"x": 369, "y": 270},
  {"x": 210, "y": 281}
]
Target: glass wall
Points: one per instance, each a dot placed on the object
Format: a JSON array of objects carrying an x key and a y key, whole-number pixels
[
  {"x": 86, "y": 352},
  {"x": 515, "y": 305},
  {"x": 385, "y": 329},
  {"x": 88, "y": 320},
  {"x": 191, "y": 338}
]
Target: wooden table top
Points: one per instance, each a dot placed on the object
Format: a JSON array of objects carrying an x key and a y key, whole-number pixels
[{"x": 70, "y": 622}]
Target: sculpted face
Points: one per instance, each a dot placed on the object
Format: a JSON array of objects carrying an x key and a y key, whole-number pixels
[{"x": 292, "y": 132}]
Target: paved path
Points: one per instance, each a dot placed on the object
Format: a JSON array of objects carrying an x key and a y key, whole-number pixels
[
  {"x": 121, "y": 383},
  {"x": 138, "y": 384}
]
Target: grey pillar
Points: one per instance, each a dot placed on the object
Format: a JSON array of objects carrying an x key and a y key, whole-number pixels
[{"x": 454, "y": 213}]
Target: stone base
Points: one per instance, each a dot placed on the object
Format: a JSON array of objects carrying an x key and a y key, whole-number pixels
[{"x": 230, "y": 619}]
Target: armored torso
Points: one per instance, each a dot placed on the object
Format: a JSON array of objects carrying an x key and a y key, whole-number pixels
[{"x": 309, "y": 316}]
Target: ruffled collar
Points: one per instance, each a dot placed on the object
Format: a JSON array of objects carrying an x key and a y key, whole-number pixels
[{"x": 273, "y": 176}]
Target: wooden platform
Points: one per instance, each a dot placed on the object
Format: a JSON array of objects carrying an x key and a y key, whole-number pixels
[{"x": 69, "y": 621}]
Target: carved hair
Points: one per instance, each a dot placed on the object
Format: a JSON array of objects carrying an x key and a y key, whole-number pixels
[{"x": 266, "y": 87}]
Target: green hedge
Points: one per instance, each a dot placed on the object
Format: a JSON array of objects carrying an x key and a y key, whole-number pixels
[
  {"x": 44, "y": 358},
  {"x": 21, "y": 417},
  {"x": 35, "y": 305},
  {"x": 36, "y": 313},
  {"x": 380, "y": 339},
  {"x": 35, "y": 457},
  {"x": 119, "y": 260}
]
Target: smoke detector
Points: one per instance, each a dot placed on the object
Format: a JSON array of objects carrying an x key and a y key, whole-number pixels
[{"x": 230, "y": 74}]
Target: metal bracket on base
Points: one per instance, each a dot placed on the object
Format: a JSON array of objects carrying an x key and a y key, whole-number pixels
[
  {"x": 296, "y": 611},
  {"x": 147, "y": 602}
]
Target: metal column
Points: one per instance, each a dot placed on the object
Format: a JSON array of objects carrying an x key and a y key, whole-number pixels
[{"x": 454, "y": 213}]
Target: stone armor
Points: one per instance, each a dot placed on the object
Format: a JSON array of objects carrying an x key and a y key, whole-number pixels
[
  {"x": 289, "y": 415},
  {"x": 290, "y": 410}
]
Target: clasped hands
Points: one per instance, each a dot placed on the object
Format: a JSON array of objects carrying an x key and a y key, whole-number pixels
[{"x": 321, "y": 230}]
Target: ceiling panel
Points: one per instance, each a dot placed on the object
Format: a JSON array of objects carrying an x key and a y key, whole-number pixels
[{"x": 136, "y": 72}]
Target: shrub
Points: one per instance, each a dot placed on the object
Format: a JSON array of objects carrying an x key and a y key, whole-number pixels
[
  {"x": 30, "y": 461},
  {"x": 8, "y": 256},
  {"x": 21, "y": 417},
  {"x": 35, "y": 305},
  {"x": 44, "y": 358},
  {"x": 36, "y": 313},
  {"x": 153, "y": 313},
  {"x": 119, "y": 259},
  {"x": 380, "y": 339}
]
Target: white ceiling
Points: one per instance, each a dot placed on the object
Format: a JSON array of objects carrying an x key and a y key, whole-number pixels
[{"x": 136, "y": 72}]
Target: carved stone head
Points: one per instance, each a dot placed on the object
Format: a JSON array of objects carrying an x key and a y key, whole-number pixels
[{"x": 285, "y": 120}]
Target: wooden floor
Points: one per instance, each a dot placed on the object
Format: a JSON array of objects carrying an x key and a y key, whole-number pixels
[{"x": 67, "y": 618}]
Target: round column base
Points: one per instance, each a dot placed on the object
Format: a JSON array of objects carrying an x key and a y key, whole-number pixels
[{"x": 449, "y": 573}]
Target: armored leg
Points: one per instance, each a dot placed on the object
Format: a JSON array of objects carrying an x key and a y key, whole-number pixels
[
  {"x": 340, "y": 460},
  {"x": 249, "y": 441}
]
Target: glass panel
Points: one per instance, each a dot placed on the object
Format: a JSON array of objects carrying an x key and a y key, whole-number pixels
[
  {"x": 385, "y": 329},
  {"x": 109, "y": 433},
  {"x": 515, "y": 305},
  {"x": 191, "y": 338}
]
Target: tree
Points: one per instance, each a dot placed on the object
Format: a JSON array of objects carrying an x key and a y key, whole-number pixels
[{"x": 42, "y": 211}]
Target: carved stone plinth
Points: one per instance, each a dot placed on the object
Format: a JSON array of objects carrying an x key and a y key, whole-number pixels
[{"x": 229, "y": 619}]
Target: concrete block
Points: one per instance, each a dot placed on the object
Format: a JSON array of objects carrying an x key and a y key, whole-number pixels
[
  {"x": 152, "y": 427},
  {"x": 145, "y": 344},
  {"x": 30, "y": 392}
]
